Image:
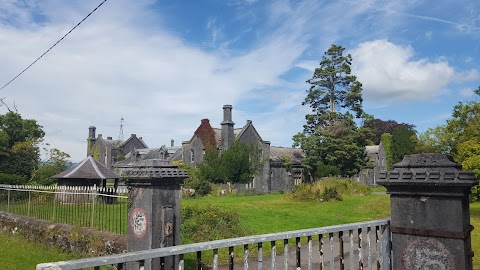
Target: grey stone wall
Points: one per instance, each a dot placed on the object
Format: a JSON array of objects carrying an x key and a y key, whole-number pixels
[
  {"x": 196, "y": 145},
  {"x": 67, "y": 237}
]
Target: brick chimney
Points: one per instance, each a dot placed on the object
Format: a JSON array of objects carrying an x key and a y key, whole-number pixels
[{"x": 227, "y": 127}]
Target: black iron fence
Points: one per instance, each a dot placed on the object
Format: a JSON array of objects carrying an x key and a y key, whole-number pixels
[{"x": 101, "y": 208}]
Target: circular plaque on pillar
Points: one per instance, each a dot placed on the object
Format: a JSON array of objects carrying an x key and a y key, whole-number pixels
[
  {"x": 427, "y": 253},
  {"x": 138, "y": 222}
]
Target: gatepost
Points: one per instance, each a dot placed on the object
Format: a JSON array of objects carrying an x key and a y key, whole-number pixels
[
  {"x": 153, "y": 209},
  {"x": 430, "y": 221}
]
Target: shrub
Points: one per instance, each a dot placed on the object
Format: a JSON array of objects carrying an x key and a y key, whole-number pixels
[
  {"x": 330, "y": 188},
  {"x": 11, "y": 179},
  {"x": 209, "y": 223},
  {"x": 475, "y": 194},
  {"x": 202, "y": 188}
]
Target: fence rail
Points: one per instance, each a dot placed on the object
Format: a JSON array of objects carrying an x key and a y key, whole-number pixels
[
  {"x": 101, "y": 208},
  {"x": 363, "y": 245}
]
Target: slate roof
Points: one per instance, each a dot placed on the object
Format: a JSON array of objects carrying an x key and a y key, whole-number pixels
[
  {"x": 277, "y": 154},
  {"x": 107, "y": 142},
  {"x": 172, "y": 153},
  {"x": 87, "y": 169}
]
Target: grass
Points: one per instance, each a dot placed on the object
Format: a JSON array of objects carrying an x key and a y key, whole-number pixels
[
  {"x": 258, "y": 214},
  {"x": 475, "y": 221},
  {"x": 19, "y": 253},
  {"x": 108, "y": 217},
  {"x": 263, "y": 214}
]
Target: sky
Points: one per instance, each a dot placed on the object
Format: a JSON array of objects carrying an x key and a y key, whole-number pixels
[{"x": 165, "y": 65}]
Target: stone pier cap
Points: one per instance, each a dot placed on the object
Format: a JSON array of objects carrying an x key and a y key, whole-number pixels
[
  {"x": 427, "y": 170},
  {"x": 154, "y": 172}
]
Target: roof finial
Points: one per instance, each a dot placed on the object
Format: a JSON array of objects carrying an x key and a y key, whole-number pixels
[{"x": 120, "y": 134}]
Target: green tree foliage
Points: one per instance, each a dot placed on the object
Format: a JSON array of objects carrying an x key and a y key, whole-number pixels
[
  {"x": 379, "y": 127},
  {"x": 332, "y": 87},
  {"x": 333, "y": 144},
  {"x": 404, "y": 142},
  {"x": 459, "y": 138},
  {"x": 436, "y": 140},
  {"x": 388, "y": 146},
  {"x": 19, "y": 139},
  {"x": 202, "y": 187},
  {"x": 56, "y": 163},
  {"x": 238, "y": 164}
]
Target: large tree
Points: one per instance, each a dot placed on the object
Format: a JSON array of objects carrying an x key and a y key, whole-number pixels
[
  {"x": 19, "y": 139},
  {"x": 332, "y": 88},
  {"x": 331, "y": 140},
  {"x": 459, "y": 138}
]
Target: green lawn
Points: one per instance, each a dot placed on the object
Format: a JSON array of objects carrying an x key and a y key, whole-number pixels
[
  {"x": 259, "y": 214},
  {"x": 20, "y": 254},
  {"x": 273, "y": 213},
  {"x": 475, "y": 221}
]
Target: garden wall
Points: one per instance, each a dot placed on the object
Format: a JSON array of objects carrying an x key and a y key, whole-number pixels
[{"x": 67, "y": 237}]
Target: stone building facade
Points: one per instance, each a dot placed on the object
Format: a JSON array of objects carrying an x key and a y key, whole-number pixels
[
  {"x": 109, "y": 151},
  {"x": 377, "y": 162},
  {"x": 281, "y": 168}
]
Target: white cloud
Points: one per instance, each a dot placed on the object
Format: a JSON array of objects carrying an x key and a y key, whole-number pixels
[
  {"x": 467, "y": 76},
  {"x": 110, "y": 68},
  {"x": 466, "y": 92},
  {"x": 390, "y": 72}
]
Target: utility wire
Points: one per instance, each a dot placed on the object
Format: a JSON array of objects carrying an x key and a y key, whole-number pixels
[{"x": 54, "y": 45}]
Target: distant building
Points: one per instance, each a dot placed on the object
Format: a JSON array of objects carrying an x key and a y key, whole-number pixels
[
  {"x": 280, "y": 171},
  {"x": 135, "y": 156},
  {"x": 377, "y": 162},
  {"x": 109, "y": 151}
]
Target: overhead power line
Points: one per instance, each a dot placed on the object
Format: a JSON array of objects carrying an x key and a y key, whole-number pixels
[{"x": 19, "y": 74}]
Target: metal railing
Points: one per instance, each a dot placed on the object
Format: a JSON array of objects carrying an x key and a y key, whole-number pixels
[
  {"x": 101, "y": 208},
  {"x": 364, "y": 245}
]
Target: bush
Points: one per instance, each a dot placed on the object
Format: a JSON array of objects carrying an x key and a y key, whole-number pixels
[
  {"x": 327, "y": 189},
  {"x": 202, "y": 188},
  {"x": 12, "y": 179},
  {"x": 475, "y": 194},
  {"x": 200, "y": 224}
]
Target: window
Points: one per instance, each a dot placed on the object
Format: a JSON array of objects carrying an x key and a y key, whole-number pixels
[{"x": 192, "y": 155}]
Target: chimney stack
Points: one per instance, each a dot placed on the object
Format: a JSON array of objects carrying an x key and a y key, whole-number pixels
[
  {"x": 227, "y": 127},
  {"x": 91, "y": 140},
  {"x": 91, "y": 132}
]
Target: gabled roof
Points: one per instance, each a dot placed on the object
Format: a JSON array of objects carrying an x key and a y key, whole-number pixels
[
  {"x": 89, "y": 168},
  {"x": 131, "y": 138},
  {"x": 244, "y": 129},
  {"x": 278, "y": 154},
  {"x": 107, "y": 142}
]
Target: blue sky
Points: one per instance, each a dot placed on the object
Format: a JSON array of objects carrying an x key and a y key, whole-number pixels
[{"x": 165, "y": 65}]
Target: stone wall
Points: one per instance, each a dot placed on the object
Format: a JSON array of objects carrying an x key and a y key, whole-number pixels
[{"x": 67, "y": 237}]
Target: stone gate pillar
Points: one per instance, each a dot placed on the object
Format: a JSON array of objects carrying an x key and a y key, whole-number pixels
[
  {"x": 153, "y": 208},
  {"x": 430, "y": 211}
]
